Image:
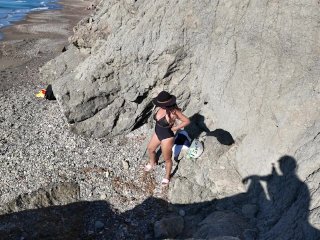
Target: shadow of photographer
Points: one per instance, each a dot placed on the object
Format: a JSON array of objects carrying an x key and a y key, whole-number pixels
[{"x": 278, "y": 211}]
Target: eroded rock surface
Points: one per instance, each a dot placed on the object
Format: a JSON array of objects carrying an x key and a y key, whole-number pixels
[
  {"x": 58, "y": 194},
  {"x": 250, "y": 68}
]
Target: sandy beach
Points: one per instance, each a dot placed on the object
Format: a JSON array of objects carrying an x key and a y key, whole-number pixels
[{"x": 28, "y": 44}]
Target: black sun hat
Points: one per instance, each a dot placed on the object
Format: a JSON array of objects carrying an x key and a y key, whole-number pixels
[{"x": 164, "y": 99}]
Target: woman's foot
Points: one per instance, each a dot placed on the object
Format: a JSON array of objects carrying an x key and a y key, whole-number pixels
[
  {"x": 149, "y": 167},
  {"x": 165, "y": 182}
]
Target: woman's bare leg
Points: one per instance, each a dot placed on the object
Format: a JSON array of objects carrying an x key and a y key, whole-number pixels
[
  {"x": 166, "y": 147},
  {"x": 152, "y": 147}
]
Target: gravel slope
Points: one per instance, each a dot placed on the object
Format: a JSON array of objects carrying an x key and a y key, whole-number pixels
[
  {"x": 36, "y": 146},
  {"x": 37, "y": 149}
]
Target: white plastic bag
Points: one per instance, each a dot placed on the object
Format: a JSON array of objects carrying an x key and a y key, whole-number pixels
[{"x": 196, "y": 149}]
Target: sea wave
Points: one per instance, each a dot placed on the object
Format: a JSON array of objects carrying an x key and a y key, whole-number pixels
[
  {"x": 16, "y": 10},
  {"x": 40, "y": 8}
]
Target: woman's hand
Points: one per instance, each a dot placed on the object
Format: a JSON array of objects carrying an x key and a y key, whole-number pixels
[
  {"x": 185, "y": 121},
  {"x": 174, "y": 129}
]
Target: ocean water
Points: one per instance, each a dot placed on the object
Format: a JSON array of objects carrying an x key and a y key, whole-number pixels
[{"x": 15, "y": 10}]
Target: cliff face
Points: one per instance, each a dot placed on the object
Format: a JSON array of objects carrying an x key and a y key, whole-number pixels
[{"x": 247, "y": 67}]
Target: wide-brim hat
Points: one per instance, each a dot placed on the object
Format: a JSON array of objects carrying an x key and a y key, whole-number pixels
[{"x": 164, "y": 99}]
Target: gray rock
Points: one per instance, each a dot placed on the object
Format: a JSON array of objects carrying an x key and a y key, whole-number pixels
[
  {"x": 168, "y": 227},
  {"x": 98, "y": 225},
  {"x": 66, "y": 62},
  {"x": 249, "y": 210},
  {"x": 250, "y": 234},
  {"x": 182, "y": 213},
  {"x": 57, "y": 194},
  {"x": 221, "y": 223},
  {"x": 248, "y": 67},
  {"x": 205, "y": 179},
  {"x": 226, "y": 238},
  {"x": 120, "y": 72},
  {"x": 103, "y": 196},
  {"x": 125, "y": 165}
]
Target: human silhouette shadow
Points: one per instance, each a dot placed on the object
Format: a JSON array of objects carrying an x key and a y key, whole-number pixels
[
  {"x": 278, "y": 212},
  {"x": 197, "y": 126},
  {"x": 287, "y": 199}
]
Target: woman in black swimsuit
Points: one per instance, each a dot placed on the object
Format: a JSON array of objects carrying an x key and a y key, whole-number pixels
[{"x": 166, "y": 115}]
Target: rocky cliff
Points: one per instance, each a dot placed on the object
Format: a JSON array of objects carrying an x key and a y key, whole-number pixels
[{"x": 246, "y": 68}]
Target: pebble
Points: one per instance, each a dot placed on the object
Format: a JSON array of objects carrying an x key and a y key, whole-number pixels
[
  {"x": 59, "y": 155},
  {"x": 103, "y": 196},
  {"x": 182, "y": 213},
  {"x": 38, "y": 149},
  {"x": 98, "y": 225},
  {"x": 125, "y": 165}
]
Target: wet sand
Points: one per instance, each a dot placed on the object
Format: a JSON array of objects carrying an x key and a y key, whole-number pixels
[{"x": 30, "y": 43}]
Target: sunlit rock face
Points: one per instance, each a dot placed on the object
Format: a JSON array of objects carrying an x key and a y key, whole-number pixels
[{"x": 250, "y": 68}]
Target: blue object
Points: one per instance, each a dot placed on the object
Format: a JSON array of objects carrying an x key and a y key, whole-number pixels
[
  {"x": 182, "y": 142},
  {"x": 15, "y": 10}
]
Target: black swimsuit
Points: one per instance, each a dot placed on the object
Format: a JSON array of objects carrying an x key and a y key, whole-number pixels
[{"x": 163, "y": 128}]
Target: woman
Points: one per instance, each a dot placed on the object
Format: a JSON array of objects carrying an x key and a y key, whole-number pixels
[{"x": 167, "y": 113}]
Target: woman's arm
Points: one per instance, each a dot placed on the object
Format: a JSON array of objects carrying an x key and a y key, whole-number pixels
[{"x": 185, "y": 121}]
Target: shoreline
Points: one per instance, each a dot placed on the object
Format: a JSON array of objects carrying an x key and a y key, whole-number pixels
[
  {"x": 24, "y": 18},
  {"x": 30, "y": 43},
  {"x": 15, "y": 30}
]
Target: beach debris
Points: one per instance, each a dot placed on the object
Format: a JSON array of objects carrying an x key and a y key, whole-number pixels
[
  {"x": 46, "y": 93},
  {"x": 41, "y": 93},
  {"x": 125, "y": 164}
]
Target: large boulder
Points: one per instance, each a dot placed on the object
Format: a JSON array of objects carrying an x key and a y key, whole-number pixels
[
  {"x": 219, "y": 224},
  {"x": 57, "y": 194},
  {"x": 250, "y": 68},
  {"x": 168, "y": 227},
  {"x": 211, "y": 176}
]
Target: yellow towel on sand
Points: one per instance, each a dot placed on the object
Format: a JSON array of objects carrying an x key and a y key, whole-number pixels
[{"x": 41, "y": 93}]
